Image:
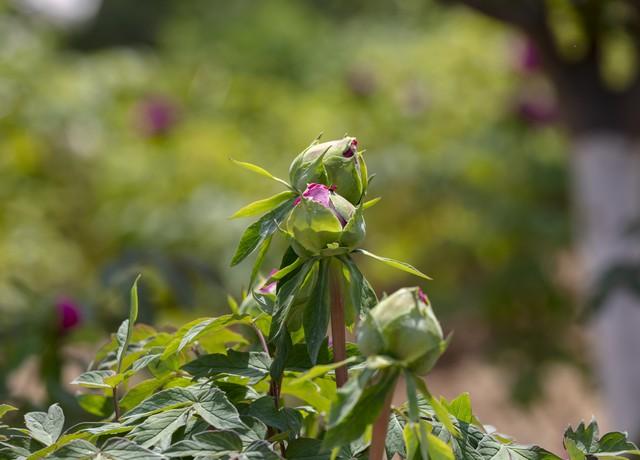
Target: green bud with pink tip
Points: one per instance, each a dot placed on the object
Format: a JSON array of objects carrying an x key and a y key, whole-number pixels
[
  {"x": 404, "y": 327},
  {"x": 324, "y": 223},
  {"x": 335, "y": 163}
]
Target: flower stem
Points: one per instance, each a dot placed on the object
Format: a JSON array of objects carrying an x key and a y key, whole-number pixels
[
  {"x": 116, "y": 405},
  {"x": 338, "y": 328},
  {"x": 379, "y": 435}
]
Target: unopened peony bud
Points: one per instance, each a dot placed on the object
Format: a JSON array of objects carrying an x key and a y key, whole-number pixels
[
  {"x": 336, "y": 163},
  {"x": 403, "y": 326},
  {"x": 321, "y": 219}
]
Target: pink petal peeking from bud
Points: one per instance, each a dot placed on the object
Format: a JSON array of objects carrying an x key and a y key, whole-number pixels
[
  {"x": 69, "y": 314},
  {"x": 423, "y": 296},
  {"x": 319, "y": 193},
  {"x": 351, "y": 150},
  {"x": 269, "y": 288}
]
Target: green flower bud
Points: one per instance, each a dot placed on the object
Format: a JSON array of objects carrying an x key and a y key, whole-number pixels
[
  {"x": 336, "y": 163},
  {"x": 403, "y": 326},
  {"x": 322, "y": 221}
]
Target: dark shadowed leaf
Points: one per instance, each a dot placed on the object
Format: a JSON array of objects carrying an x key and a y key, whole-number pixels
[{"x": 317, "y": 311}]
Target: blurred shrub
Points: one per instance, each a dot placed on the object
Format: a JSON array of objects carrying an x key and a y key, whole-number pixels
[{"x": 116, "y": 160}]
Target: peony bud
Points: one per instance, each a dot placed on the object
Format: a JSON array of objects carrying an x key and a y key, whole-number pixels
[
  {"x": 404, "y": 327},
  {"x": 335, "y": 163},
  {"x": 321, "y": 219}
]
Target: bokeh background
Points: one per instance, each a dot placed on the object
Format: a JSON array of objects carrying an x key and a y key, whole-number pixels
[{"x": 117, "y": 122}]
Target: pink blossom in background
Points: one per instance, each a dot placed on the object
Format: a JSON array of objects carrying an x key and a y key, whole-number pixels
[
  {"x": 69, "y": 314},
  {"x": 528, "y": 59},
  {"x": 536, "y": 112},
  {"x": 156, "y": 115}
]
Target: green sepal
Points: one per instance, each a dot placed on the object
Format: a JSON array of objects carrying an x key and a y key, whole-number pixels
[
  {"x": 262, "y": 206},
  {"x": 405, "y": 267},
  {"x": 261, "y": 171}
]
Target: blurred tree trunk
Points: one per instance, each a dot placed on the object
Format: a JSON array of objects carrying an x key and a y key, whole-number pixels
[
  {"x": 606, "y": 193},
  {"x": 603, "y": 124}
]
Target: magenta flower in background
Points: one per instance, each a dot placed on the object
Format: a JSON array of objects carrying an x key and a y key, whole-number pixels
[
  {"x": 528, "y": 59},
  {"x": 156, "y": 116},
  {"x": 536, "y": 112},
  {"x": 69, "y": 313}
]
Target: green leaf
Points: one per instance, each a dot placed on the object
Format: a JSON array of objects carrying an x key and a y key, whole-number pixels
[
  {"x": 96, "y": 404},
  {"x": 4, "y": 408},
  {"x": 262, "y": 253},
  {"x": 411, "y": 441},
  {"x": 170, "y": 398},
  {"x": 61, "y": 441},
  {"x": 94, "y": 379},
  {"x": 213, "y": 443},
  {"x": 78, "y": 449},
  {"x": 573, "y": 451},
  {"x": 394, "y": 443},
  {"x": 357, "y": 405},
  {"x": 286, "y": 297},
  {"x": 259, "y": 170},
  {"x": 280, "y": 274},
  {"x": 438, "y": 449},
  {"x": 317, "y": 311},
  {"x": 123, "y": 449},
  {"x": 126, "y": 329},
  {"x": 159, "y": 428},
  {"x": 584, "y": 441},
  {"x": 322, "y": 369},
  {"x": 318, "y": 393},
  {"x": 141, "y": 391},
  {"x": 257, "y": 232},
  {"x": 260, "y": 206},
  {"x": 442, "y": 413},
  {"x": 260, "y": 450},
  {"x": 405, "y": 267},
  {"x": 190, "y": 332},
  {"x": 284, "y": 419},
  {"x": 214, "y": 407},
  {"x": 371, "y": 203},
  {"x": 307, "y": 449},
  {"x": 363, "y": 297},
  {"x": 491, "y": 449},
  {"x": 460, "y": 408},
  {"x": 45, "y": 427},
  {"x": 252, "y": 365}
]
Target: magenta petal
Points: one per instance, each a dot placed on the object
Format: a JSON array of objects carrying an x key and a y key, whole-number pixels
[
  {"x": 319, "y": 193},
  {"x": 423, "y": 296},
  {"x": 351, "y": 149}
]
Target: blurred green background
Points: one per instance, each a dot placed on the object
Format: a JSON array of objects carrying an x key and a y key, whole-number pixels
[{"x": 116, "y": 134}]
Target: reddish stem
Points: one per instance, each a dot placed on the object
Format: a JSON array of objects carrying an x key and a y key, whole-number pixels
[
  {"x": 338, "y": 334},
  {"x": 379, "y": 434}
]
